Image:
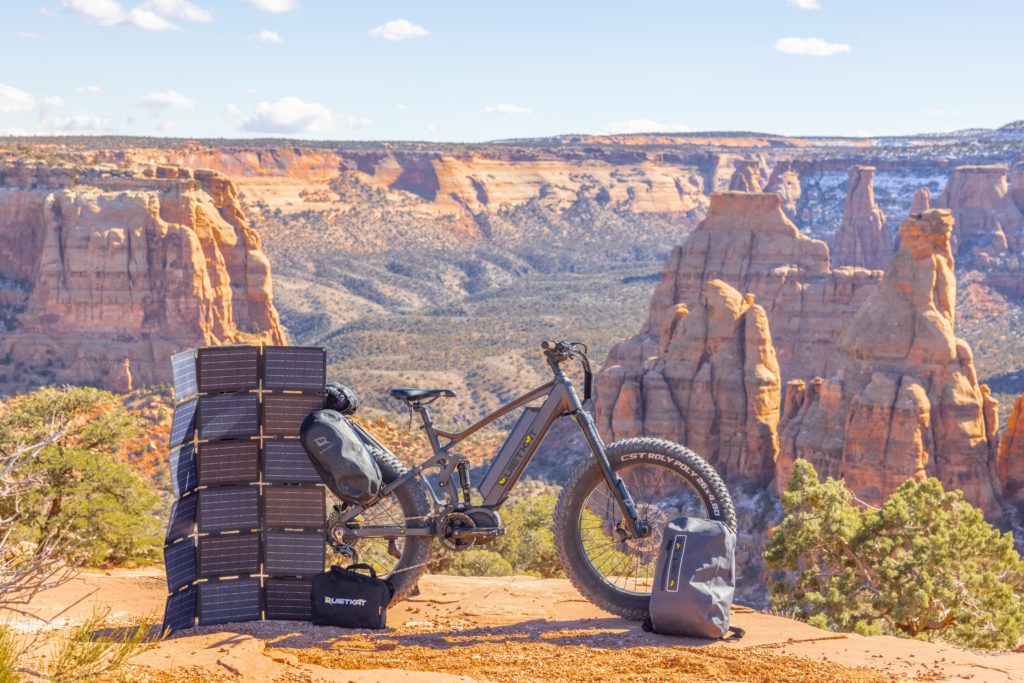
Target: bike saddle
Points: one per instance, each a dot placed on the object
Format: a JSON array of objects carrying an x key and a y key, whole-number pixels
[{"x": 410, "y": 395}]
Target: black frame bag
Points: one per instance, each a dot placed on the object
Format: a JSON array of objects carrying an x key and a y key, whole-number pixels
[
  {"x": 340, "y": 457},
  {"x": 347, "y": 598}
]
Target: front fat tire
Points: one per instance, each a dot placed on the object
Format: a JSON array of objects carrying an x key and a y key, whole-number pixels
[{"x": 702, "y": 476}]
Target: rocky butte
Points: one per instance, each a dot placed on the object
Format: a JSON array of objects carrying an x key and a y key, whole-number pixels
[
  {"x": 986, "y": 219},
  {"x": 707, "y": 367},
  {"x": 111, "y": 270},
  {"x": 900, "y": 397},
  {"x": 748, "y": 242},
  {"x": 862, "y": 238}
]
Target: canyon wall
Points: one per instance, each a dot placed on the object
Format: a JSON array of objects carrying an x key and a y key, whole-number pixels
[
  {"x": 900, "y": 397},
  {"x": 987, "y": 221},
  {"x": 117, "y": 269},
  {"x": 1010, "y": 464}
]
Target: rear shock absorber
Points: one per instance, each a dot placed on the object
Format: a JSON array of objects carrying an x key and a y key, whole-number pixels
[{"x": 464, "y": 480}]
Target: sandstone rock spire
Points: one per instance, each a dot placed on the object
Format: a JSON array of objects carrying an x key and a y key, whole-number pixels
[
  {"x": 714, "y": 384},
  {"x": 900, "y": 397},
  {"x": 862, "y": 238},
  {"x": 1010, "y": 464},
  {"x": 921, "y": 202},
  {"x": 785, "y": 182},
  {"x": 746, "y": 177}
]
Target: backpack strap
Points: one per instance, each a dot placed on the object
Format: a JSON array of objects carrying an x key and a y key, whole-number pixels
[
  {"x": 362, "y": 565},
  {"x": 736, "y": 632}
]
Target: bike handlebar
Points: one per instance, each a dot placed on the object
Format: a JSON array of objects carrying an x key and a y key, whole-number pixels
[{"x": 561, "y": 351}]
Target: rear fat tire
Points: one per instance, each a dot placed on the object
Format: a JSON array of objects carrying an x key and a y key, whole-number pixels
[
  {"x": 412, "y": 496},
  {"x": 681, "y": 460}
]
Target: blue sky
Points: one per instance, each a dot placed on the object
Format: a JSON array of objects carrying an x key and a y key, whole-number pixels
[{"x": 471, "y": 71}]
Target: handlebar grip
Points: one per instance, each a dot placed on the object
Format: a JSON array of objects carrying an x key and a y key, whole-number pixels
[{"x": 548, "y": 345}]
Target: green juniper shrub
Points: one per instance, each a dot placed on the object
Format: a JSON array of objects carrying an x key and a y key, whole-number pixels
[
  {"x": 83, "y": 487},
  {"x": 925, "y": 564}
]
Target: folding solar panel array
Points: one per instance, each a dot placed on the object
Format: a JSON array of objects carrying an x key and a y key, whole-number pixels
[{"x": 246, "y": 532}]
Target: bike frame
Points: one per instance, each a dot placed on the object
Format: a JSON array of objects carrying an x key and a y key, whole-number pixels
[{"x": 560, "y": 400}]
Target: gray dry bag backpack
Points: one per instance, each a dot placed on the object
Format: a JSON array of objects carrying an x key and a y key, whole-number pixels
[
  {"x": 340, "y": 457},
  {"x": 694, "y": 580}
]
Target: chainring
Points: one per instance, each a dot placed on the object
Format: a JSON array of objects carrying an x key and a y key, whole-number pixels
[{"x": 451, "y": 522}]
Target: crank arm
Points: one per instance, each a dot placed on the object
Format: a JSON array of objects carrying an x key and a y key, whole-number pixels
[{"x": 387, "y": 531}]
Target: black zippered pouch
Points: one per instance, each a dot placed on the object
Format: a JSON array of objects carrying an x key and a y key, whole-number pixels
[{"x": 350, "y": 599}]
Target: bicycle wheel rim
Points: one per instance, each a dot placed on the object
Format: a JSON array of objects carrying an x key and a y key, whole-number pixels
[{"x": 377, "y": 551}]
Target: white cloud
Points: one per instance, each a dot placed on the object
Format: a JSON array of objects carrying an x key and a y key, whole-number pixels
[
  {"x": 643, "y": 126},
  {"x": 80, "y": 123},
  {"x": 805, "y": 4},
  {"x": 49, "y": 104},
  {"x": 812, "y": 47},
  {"x": 398, "y": 29},
  {"x": 29, "y": 35},
  {"x": 46, "y": 11},
  {"x": 151, "y": 15},
  {"x": 166, "y": 100},
  {"x": 272, "y": 6},
  {"x": 106, "y": 12},
  {"x": 431, "y": 128},
  {"x": 88, "y": 90},
  {"x": 512, "y": 109},
  {"x": 356, "y": 122},
  {"x": 165, "y": 126},
  {"x": 13, "y": 131},
  {"x": 13, "y": 99},
  {"x": 266, "y": 36},
  {"x": 286, "y": 115},
  {"x": 148, "y": 20},
  {"x": 178, "y": 9}
]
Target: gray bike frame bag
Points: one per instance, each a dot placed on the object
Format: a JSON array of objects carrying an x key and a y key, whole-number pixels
[
  {"x": 340, "y": 457},
  {"x": 694, "y": 580}
]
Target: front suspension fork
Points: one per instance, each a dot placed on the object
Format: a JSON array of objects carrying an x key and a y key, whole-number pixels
[{"x": 636, "y": 527}]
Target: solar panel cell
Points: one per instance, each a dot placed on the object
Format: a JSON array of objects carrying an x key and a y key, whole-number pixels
[
  {"x": 289, "y": 599},
  {"x": 221, "y": 602},
  {"x": 229, "y": 416},
  {"x": 180, "y": 563},
  {"x": 183, "y": 518},
  {"x": 229, "y": 508},
  {"x": 283, "y": 413},
  {"x": 228, "y": 462},
  {"x": 180, "y": 610},
  {"x": 285, "y": 461},
  {"x": 293, "y": 553},
  {"x": 294, "y": 507},
  {"x": 183, "y": 468},
  {"x": 183, "y": 369},
  {"x": 183, "y": 426},
  {"x": 294, "y": 367},
  {"x": 229, "y": 554},
  {"x": 228, "y": 368}
]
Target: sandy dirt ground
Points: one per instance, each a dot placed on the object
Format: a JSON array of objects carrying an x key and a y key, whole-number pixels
[{"x": 514, "y": 629}]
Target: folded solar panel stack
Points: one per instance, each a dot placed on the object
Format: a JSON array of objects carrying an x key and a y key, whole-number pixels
[{"x": 246, "y": 530}]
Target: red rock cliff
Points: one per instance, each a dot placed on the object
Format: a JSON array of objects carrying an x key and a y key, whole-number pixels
[
  {"x": 1011, "y": 456},
  {"x": 121, "y": 269},
  {"x": 901, "y": 397}
]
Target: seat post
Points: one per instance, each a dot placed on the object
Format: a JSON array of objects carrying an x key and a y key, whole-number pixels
[{"x": 428, "y": 426}]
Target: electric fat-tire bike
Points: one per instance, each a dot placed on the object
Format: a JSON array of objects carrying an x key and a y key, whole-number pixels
[{"x": 608, "y": 519}]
